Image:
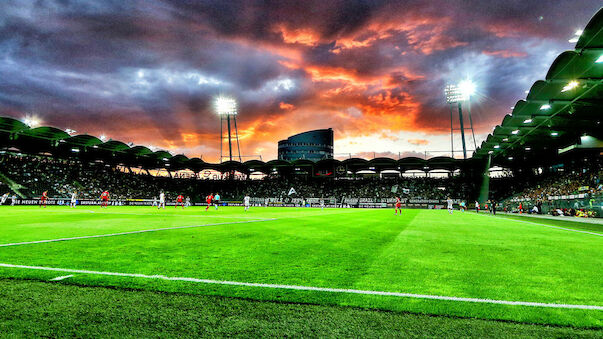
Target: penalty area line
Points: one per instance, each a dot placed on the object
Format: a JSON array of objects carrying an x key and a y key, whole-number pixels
[
  {"x": 132, "y": 232},
  {"x": 312, "y": 288}
]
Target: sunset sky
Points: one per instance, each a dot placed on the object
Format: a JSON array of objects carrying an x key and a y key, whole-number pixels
[{"x": 146, "y": 71}]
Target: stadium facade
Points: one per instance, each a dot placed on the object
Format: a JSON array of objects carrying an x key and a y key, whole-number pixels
[{"x": 311, "y": 145}]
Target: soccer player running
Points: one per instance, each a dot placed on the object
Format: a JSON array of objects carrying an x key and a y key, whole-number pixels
[
  {"x": 217, "y": 200},
  {"x": 44, "y": 199},
  {"x": 246, "y": 202},
  {"x": 161, "y": 200},
  {"x": 398, "y": 206},
  {"x": 73, "y": 199},
  {"x": 209, "y": 200},
  {"x": 104, "y": 199},
  {"x": 476, "y": 206},
  {"x": 4, "y": 198},
  {"x": 450, "y": 209},
  {"x": 180, "y": 201}
]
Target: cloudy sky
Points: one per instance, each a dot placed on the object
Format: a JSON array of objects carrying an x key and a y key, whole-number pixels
[{"x": 147, "y": 71}]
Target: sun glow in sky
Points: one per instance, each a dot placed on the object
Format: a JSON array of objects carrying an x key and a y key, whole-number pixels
[{"x": 147, "y": 72}]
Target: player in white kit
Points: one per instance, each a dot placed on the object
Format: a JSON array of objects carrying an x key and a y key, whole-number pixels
[
  {"x": 246, "y": 202},
  {"x": 449, "y": 201},
  {"x": 4, "y": 198},
  {"x": 73, "y": 199},
  {"x": 161, "y": 200}
]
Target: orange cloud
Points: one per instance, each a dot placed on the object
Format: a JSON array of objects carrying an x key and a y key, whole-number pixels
[
  {"x": 285, "y": 106},
  {"x": 418, "y": 142},
  {"x": 189, "y": 138},
  {"x": 303, "y": 36}
]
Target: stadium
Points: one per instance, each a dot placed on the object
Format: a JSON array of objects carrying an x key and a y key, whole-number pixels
[{"x": 101, "y": 237}]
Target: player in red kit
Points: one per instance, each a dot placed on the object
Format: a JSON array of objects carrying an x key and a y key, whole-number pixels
[
  {"x": 398, "y": 205},
  {"x": 180, "y": 201},
  {"x": 209, "y": 200},
  {"x": 44, "y": 199},
  {"x": 104, "y": 199}
]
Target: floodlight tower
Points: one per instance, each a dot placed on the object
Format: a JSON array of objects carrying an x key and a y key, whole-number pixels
[
  {"x": 226, "y": 108},
  {"x": 456, "y": 94}
]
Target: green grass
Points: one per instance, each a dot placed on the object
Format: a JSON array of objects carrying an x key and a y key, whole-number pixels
[
  {"x": 422, "y": 252},
  {"x": 39, "y": 309}
]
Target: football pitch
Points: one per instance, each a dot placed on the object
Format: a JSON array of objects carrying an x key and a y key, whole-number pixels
[{"x": 424, "y": 261}]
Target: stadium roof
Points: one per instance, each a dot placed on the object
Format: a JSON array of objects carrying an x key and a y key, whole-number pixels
[{"x": 557, "y": 111}]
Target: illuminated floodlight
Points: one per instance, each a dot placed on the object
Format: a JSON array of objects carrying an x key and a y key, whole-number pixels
[
  {"x": 103, "y": 138},
  {"x": 515, "y": 132},
  {"x": 528, "y": 148},
  {"x": 510, "y": 158},
  {"x": 573, "y": 40},
  {"x": 32, "y": 121},
  {"x": 466, "y": 88},
  {"x": 571, "y": 85},
  {"x": 490, "y": 152},
  {"x": 461, "y": 92},
  {"x": 70, "y": 131},
  {"x": 505, "y": 139},
  {"x": 527, "y": 121},
  {"x": 543, "y": 107},
  {"x": 599, "y": 60},
  {"x": 497, "y": 146},
  {"x": 579, "y": 32},
  {"x": 453, "y": 95},
  {"x": 225, "y": 106},
  {"x": 554, "y": 134}
]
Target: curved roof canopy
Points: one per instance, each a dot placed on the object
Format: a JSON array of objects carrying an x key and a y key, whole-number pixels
[{"x": 558, "y": 110}]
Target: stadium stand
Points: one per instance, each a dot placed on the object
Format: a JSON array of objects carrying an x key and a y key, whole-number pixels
[{"x": 550, "y": 145}]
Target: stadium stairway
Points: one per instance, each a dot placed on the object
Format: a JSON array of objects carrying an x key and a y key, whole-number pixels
[{"x": 15, "y": 187}]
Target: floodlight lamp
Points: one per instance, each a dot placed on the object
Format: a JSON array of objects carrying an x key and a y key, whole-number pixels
[
  {"x": 527, "y": 121},
  {"x": 103, "y": 138},
  {"x": 571, "y": 85},
  {"x": 515, "y": 131},
  {"x": 466, "y": 88},
  {"x": 599, "y": 60},
  {"x": 543, "y": 107},
  {"x": 225, "y": 106},
  {"x": 31, "y": 121},
  {"x": 554, "y": 134}
]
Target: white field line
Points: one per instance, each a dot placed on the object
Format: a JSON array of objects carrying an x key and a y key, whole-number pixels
[
  {"x": 62, "y": 277},
  {"x": 132, "y": 232},
  {"x": 543, "y": 225},
  {"x": 311, "y": 288}
]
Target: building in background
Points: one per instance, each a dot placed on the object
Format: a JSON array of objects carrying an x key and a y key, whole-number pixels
[{"x": 312, "y": 145}]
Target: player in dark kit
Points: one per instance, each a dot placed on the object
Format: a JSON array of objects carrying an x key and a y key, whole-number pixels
[
  {"x": 44, "y": 199},
  {"x": 209, "y": 200},
  {"x": 104, "y": 199},
  {"x": 398, "y": 205},
  {"x": 180, "y": 201}
]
